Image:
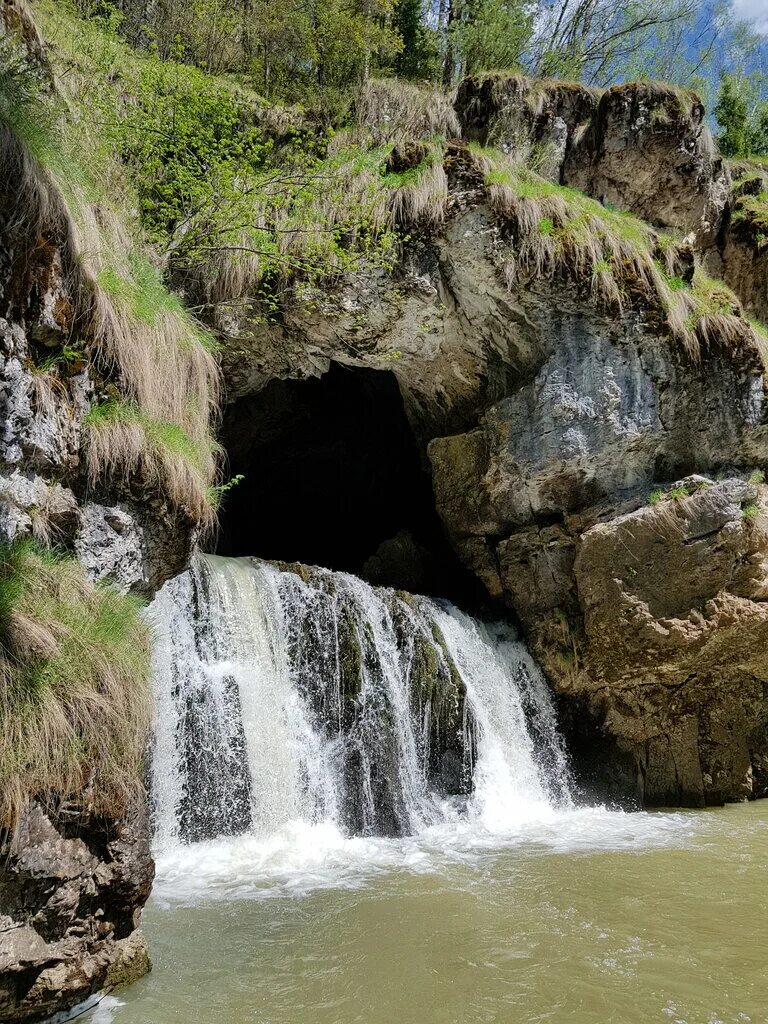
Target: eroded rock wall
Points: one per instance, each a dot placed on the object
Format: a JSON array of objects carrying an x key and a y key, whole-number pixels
[
  {"x": 546, "y": 419},
  {"x": 71, "y": 891}
]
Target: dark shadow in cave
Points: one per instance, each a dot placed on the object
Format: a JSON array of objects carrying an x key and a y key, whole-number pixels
[{"x": 332, "y": 470}]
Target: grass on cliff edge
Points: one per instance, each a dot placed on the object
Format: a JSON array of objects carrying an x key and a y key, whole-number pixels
[
  {"x": 74, "y": 684},
  {"x": 66, "y": 185},
  {"x": 621, "y": 260},
  {"x": 240, "y": 198}
]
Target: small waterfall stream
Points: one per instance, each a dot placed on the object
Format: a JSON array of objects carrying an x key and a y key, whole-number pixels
[{"x": 299, "y": 695}]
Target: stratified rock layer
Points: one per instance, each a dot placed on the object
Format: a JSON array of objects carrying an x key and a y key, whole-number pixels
[{"x": 71, "y": 892}]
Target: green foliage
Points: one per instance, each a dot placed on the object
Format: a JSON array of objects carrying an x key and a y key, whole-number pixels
[
  {"x": 239, "y": 198},
  {"x": 190, "y": 141},
  {"x": 742, "y": 118},
  {"x": 419, "y": 57},
  {"x": 752, "y": 207},
  {"x": 677, "y": 493},
  {"x": 675, "y": 282},
  {"x": 757, "y": 477},
  {"x": 490, "y": 34},
  {"x": 217, "y": 494},
  {"x": 750, "y": 512},
  {"x": 74, "y": 684},
  {"x": 313, "y": 52},
  {"x": 655, "y": 497}
]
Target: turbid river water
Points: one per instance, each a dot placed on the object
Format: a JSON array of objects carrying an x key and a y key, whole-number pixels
[
  {"x": 301, "y": 719},
  {"x": 607, "y": 918}
]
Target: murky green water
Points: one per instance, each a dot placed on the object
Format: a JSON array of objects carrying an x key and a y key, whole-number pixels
[{"x": 627, "y": 932}]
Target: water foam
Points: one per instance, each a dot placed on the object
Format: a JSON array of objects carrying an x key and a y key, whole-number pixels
[{"x": 295, "y": 730}]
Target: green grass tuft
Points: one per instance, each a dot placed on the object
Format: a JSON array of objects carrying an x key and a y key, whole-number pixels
[{"x": 74, "y": 685}]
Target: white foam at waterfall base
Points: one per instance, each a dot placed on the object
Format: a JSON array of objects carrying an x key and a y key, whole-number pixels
[
  {"x": 302, "y": 857},
  {"x": 235, "y": 626}
]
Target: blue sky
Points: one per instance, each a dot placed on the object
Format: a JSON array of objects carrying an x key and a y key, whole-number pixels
[{"x": 754, "y": 12}]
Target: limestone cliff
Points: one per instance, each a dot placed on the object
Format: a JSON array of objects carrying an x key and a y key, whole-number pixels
[{"x": 545, "y": 365}]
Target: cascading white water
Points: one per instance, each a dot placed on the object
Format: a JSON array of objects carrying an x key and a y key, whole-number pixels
[{"x": 306, "y": 696}]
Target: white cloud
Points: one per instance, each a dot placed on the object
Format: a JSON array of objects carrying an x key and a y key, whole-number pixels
[{"x": 753, "y": 11}]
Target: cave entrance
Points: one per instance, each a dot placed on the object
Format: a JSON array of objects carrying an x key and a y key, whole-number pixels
[{"x": 333, "y": 476}]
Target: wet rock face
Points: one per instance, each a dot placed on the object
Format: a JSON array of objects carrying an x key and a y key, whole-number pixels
[
  {"x": 70, "y": 892},
  {"x": 637, "y": 611},
  {"x": 649, "y": 619},
  {"x": 611, "y": 409}
]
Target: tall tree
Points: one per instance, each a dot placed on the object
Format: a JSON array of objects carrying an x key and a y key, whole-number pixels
[
  {"x": 488, "y": 34},
  {"x": 419, "y": 57}
]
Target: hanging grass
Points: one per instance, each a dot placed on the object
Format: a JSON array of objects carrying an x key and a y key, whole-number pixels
[
  {"x": 135, "y": 334},
  {"x": 74, "y": 685},
  {"x": 625, "y": 264}
]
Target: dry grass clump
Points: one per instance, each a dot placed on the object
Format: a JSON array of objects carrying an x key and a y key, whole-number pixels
[
  {"x": 391, "y": 110},
  {"x": 123, "y": 440},
  {"x": 557, "y": 231},
  {"x": 74, "y": 684},
  {"x": 418, "y": 195},
  {"x": 133, "y": 331}
]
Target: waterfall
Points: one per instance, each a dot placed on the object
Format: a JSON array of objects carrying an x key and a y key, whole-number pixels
[{"x": 295, "y": 694}]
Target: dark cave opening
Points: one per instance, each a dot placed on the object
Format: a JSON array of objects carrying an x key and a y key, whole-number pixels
[{"x": 333, "y": 476}]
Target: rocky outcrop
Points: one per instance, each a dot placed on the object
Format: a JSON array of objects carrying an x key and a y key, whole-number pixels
[
  {"x": 563, "y": 469},
  {"x": 741, "y": 256},
  {"x": 71, "y": 885},
  {"x": 444, "y": 324},
  {"x": 672, "y": 598},
  {"x": 71, "y": 889},
  {"x": 642, "y": 147},
  {"x": 50, "y": 376}
]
